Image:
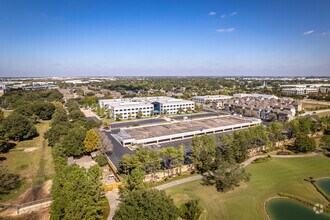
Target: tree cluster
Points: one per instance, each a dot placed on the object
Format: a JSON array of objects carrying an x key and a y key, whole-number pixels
[
  {"x": 146, "y": 204},
  {"x": 16, "y": 99},
  {"x": 151, "y": 161},
  {"x": 69, "y": 130},
  {"x": 76, "y": 192}
]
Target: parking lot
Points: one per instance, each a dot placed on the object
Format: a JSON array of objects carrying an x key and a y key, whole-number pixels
[
  {"x": 194, "y": 116},
  {"x": 139, "y": 122}
]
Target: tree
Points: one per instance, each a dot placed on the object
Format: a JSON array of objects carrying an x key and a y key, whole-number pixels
[
  {"x": 180, "y": 110},
  {"x": 191, "y": 210},
  {"x": 203, "y": 152},
  {"x": 8, "y": 180},
  {"x": 275, "y": 132},
  {"x": 74, "y": 141},
  {"x": 196, "y": 107},
  {"x": 101, "y": 160},
  {"x": 2, "y": 116},
  {"x": 147, "y": 204},
  {"x": 152, "y": 112},
  {"x": 149, "y": 160},
  {"x": 106, "y": 125},
  {"x": 228, "y": 176},
  {"x": 77, "y": 115},
  {"x": 19, "y": 127},
  {"x": 128, "y": 163},
  {"x": 133, "y": 181},
  {"x": 139, "y": 114},
  {"x": 57, "y": 132},
  {"x": 325, "y": 142},
  {"x": 76, "y": 193},
  {"x": 303, "y": 143},
  {"x": 189, "y": 109},
  {"x": 91, "y": 141},
  {"x": 119, "y": 117}
]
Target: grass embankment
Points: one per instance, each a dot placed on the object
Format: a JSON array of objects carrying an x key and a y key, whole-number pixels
[
  {"x": 313, "y": 105},
  {"x": 267, "y": 179},
  {"x": 32, "y": 160}
]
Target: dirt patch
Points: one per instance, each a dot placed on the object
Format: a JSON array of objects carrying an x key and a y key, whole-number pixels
[
  {"x": 33, "y": 194},
  {"x": 42, "y": 214},
  {"x": 31, "y": 149}
]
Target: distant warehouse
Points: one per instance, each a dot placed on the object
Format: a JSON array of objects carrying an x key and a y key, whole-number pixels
[
  {"x": 156, "y": 134},
  {"x": 130, "y": 107}
]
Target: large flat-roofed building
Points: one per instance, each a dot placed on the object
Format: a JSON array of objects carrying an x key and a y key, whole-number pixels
[
  {"x": 129, "y": 107},
  {"x": 299, "y": 91},
  {"x": 155, "y": 134},
  {"x": 210, "y": 98},
  {"x": 168, "y": 105}
]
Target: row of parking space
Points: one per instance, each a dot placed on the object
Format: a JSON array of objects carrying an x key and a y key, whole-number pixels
[
  {"x": 194, "y": 116},
  {"x": 137, "y": 122}
]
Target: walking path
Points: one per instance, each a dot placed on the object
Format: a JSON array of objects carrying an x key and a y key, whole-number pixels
[
  {"x": 113, "y": 199},
  {"x": 178, "y": 182}
]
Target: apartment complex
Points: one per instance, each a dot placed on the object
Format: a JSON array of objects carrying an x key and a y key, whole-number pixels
[
  {"x": 209, "y": 98},
  {"x": 129, "y": 107},
  {"x": 272, "y": 109}
]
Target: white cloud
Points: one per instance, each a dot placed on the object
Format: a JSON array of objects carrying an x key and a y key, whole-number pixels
[
  {"x": 212, "y": 13},
  {"x": 308, "y": 32},
  {"x": 325, "y": 33},
  {"x": 233, "y": 13},
  {"x": 223, "y": 16},
  {"x": 225, "y": 30}
]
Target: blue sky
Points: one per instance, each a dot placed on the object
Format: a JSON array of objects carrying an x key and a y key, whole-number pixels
[{"x": 164, "y": 37}]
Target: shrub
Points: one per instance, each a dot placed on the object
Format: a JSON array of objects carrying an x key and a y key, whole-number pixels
[{"x": 101, "y": 160}]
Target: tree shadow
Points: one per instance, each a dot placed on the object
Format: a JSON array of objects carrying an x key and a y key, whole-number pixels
[
  {"x": 208, "y": 180},
  {"x": 6, "y": 147}
]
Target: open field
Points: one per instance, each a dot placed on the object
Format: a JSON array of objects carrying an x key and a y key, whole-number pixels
[
  {"x": 31, "y": 159},
  {"x": 267, "y": 179},
  {"x": 323, "y": 114},
  {"x": 311, "y": 105}
]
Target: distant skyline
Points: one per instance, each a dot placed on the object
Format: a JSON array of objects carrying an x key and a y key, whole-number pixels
[{"x": 164, "y": 38}]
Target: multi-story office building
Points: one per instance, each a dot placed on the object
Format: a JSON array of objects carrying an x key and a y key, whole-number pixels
[
  {"x": 168, "y": 105},
  {"x": 127, "y": 108},
  {"x": 299, "y": 91},
  {"x": 148, "y": 105},
  {"x": 209, "y": 98}
]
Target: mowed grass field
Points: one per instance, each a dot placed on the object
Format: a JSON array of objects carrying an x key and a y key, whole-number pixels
[
  {"x": 267, "y": 179},
  {"x": 24, "y": 159}
]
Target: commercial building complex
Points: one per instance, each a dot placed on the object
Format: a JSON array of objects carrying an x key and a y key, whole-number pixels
[
  {"x": 155, "y": 134},
  {"x": 147, "y": 105},
  {"x": 305, "y": 89}
]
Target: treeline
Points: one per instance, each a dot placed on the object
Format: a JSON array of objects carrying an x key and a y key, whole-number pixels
[
  {"x": 76, "y": 192},
  {"x": 69, "y": 127},
  {"x": 319, "y": 96},
  {"x": 17, "y": 99}
]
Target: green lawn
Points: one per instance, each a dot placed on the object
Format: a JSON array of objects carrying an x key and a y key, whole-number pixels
[
  {"x": 28, "y": 164},
  {"x": 267, "y": 179}
]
